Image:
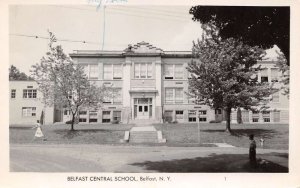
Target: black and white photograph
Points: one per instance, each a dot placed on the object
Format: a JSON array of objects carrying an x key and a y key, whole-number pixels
[{"x": 137, "y": 93}]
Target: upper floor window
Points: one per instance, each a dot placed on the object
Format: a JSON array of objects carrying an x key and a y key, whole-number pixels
[
  {"x": 173, "y": 71},
  {"x": 13, "y": 93},
  {"x": 264, "y": 75},
  {"x": 91, "y": 71},
  {"x": 112, "y": 71},
  {"x": 173, "y": 95},
  {"x": 29, "y": 93},
  {"x": 94, "y": 72},
  {"x": 143, "y": 70},
  {"x": 274, "y": 74}
]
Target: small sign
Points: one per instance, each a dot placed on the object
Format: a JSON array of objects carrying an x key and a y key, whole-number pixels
[{"x": 38, "y": 132}]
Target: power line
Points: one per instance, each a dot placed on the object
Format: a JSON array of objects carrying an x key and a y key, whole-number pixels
[
  {"x": 63, "y": 40},
  {"x": 80, "y": 41}
]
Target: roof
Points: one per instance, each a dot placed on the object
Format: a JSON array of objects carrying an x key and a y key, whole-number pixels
[{"x": 140, "y": 49}]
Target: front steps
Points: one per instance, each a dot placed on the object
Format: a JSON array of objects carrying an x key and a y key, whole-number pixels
[{"x": 145, "y": 134}]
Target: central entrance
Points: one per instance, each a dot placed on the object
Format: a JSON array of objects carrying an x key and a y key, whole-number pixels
[{"x": 142, "y": 108}]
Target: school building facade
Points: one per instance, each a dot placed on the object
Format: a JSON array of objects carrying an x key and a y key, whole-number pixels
[{"x": 150, "y": 85}]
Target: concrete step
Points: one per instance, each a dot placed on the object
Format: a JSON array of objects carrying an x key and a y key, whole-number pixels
[{"x": 143, "y": 137}]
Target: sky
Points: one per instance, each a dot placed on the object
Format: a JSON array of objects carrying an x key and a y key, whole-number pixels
[{"x": 166, "y": 27}]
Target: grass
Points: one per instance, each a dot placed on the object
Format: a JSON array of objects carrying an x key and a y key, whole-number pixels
[
  {"x": 275, "y": 135},
  {"x": 61, "y": 134}
]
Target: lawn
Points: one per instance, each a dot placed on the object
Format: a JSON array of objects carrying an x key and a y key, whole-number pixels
[{"x": 276, "y": 135}]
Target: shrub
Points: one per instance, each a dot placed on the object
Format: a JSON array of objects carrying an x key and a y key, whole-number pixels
[
  {"x": 115, "y": 122},
  {"x": 215, "y": 121}
]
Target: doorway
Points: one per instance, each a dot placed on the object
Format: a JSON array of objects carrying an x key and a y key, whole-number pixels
[{"x": 142, "y": 108}]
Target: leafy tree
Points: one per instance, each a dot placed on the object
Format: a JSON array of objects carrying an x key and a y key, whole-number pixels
[
  {"x": 63, "y": 83},
  {"x": 223, "y": 75},
  {"x": 285, "y": 69},
  {"x": 255, "y": 26},
  {"x": 15, "y": 74}
]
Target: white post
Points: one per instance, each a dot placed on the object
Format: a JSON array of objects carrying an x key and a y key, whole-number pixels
[{"x": 198, "y": 131}]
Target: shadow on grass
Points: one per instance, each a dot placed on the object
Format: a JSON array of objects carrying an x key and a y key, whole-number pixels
[
  {"x": 265, "y": 133},
  {"x": 69, "y": 134},
  {"x": 212, "y": 164}
]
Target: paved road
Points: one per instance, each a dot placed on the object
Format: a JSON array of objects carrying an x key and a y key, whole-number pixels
[{"x": 102, "y": 158}]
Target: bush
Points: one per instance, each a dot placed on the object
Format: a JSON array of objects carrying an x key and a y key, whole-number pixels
[
  {"x": 70, "y": 122},
  {"x": 115, "y": 122},
  {"x": 174, "y": 122},
  {"x": 215, "y": 121}
]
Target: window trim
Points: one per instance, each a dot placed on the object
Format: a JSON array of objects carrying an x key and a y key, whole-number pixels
[
  {"x": 173, "y": 72},
  {"x": 174, "y": 100},
  {"x": 139, "y": 70},
  {"x": 112, "y": 71},
  {"x": 33, "y": 93}
]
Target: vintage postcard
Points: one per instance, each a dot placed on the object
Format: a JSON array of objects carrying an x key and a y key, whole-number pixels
[{"x": 145, "y": 93}]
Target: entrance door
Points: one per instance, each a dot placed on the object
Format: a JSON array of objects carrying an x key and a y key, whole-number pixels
[
  {"x": 143, "y": 111},
  {"x": 142, "y": 108}
]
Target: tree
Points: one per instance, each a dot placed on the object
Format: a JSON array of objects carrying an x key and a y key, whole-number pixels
[
  {"x": 15, "y": 74},
  {"x": 223, "y": 75},
  {"x": 285, "y": 70},
  {"x": 255, "y": 26},
  {"x": 63, "y": 83}
]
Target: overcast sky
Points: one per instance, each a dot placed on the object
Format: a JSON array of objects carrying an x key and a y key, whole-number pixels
[{"x": 166, "y": 27}]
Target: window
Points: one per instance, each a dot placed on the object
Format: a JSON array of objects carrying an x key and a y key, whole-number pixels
[
  {"x": 173, "y": 95},
  {"x": 143, "y": 70},
  {"x": 202, "y": 119},
  {"x": 275, "y": 97},
  {"x": 117, "y": 71},
  {"x": 169, "y": 95},
  {"x": 266, "y": 116},
  {"x": 13, "y": 93},
  {"x": 93, "y": 116},
  {"x": 179, "y": 95},
  {"x": 192, "y": 115},
  {"x": 179, "y": 114},
  {"x": 168, "y": 71},
  {"x": 255, "y": 116},
  {"x": 202, "y": 115},
  {"x": 173, "y": 71},
  {"x": 28, "y": 111},
  {"x": 202, "y": 112},
  {"x": 117, "y": 115},
  {"x": 264, "y": 75},
  {"x": 274, "y": 74},
  {"x": 82, "y": 119},
  {"x": 178, "y": 72},
  {"x": 105, "y": 116},
  {"x": 82, "y": 112},
  {"x": 93, "y": 72},
  {"x": 107, "y": 72},
  {"x": 29, "y": 93}
]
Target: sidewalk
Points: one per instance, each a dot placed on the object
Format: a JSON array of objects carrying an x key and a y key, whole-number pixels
[{"x": 103, "y": 158}]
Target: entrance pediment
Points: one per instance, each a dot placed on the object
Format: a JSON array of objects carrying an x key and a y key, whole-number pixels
[{"x": 143, "y": 48}]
